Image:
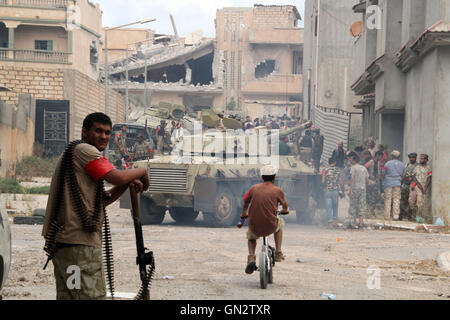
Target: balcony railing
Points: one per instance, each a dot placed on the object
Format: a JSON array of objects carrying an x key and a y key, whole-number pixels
[
  {"x": 57, "y": 4},
  {"x": 41, "y": 56}
]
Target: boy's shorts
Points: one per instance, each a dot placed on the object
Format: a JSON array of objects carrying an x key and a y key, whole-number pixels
[{"x": 252, "y": 236}]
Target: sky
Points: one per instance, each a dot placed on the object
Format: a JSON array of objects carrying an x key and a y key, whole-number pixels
[{"x": 189, "y": 15}]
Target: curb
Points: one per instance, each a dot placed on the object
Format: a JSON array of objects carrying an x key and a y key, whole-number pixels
[{"x": 443, "y": 260}]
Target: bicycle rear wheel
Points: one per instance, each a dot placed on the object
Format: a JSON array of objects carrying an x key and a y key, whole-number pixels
[
  {"x": 271, "y": 264},
  {"x": 263, "y": 270}
]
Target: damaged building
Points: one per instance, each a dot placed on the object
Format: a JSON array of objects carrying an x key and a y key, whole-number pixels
[
  {"x": 263, "y": 52},
  {"x": 254, "y": 65},
  {"x": 179, "y": 72}
]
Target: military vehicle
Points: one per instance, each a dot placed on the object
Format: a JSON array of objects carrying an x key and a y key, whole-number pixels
[
  {"x": 153, "y": 116},
  {"x": 214, "y": 182}
]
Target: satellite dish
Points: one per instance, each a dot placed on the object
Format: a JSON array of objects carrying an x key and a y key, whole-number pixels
[{"x": 356, "y": 28}]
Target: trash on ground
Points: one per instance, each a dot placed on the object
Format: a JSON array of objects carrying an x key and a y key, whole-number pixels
[{"x": 329, "y": 296}]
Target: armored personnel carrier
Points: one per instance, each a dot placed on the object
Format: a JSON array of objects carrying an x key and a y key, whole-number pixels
[{"x": 211, "y": 173}]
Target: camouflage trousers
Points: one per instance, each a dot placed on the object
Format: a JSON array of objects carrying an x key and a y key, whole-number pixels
[
  {"x": 373, "y": 196},
  {"x": 79, "y": 273},
  {"x": 358, "y": 203},
  {"x": 392, "y": 203},
  {"x": 405, "y": 211}
]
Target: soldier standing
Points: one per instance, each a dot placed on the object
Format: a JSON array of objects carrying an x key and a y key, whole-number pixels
[
  {"x": 317, "y": 149},
  {"x": 358, "y": 182},
  {"x": 160, "y": 134},
  {"x": 142, "y": 150},
  {"x": 420, "y": 186},
  {"x": 334, "y": 188},
  {"x": 373, "y": 190},
  {"x": 405, "y": 210}
]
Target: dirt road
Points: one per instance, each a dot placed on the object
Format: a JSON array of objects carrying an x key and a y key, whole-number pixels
[{"x": 196, "y": 262}]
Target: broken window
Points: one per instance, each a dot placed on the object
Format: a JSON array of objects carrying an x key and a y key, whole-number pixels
[{"x": 265, "y": 68}]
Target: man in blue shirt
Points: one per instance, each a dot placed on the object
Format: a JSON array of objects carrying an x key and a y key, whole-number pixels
[{"x": 393, "y": 173}]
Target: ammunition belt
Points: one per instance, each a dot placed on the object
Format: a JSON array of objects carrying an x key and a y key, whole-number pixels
[{"x": 90, "y": 224}]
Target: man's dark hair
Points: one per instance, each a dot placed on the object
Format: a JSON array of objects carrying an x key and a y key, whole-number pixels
[
  {"x": 96, "y": 117},
  {"x": 269, "y": 178},
  {"x": 359, "y": 149},
  {"x": 379, "y": 153},
  {"x": 332, "y": 160}
]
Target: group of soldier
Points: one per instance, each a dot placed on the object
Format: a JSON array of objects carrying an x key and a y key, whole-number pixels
[
  {"x": 141, "y": 150},
  {"x": 370, "y": 174}
]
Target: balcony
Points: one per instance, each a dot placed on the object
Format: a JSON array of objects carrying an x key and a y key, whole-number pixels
[
  {"x": 52, "y": 4},
  {"x": 290, "y": 84},
  {"x": 276, "y": 36},
  {"x": 39, "y": 56}
]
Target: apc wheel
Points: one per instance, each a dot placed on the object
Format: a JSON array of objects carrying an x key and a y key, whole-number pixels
[
  {"x": 263, "y": 270},
  {"x": 150, "y": 213},
  {"x": 226, "y": 214},
  {"x": 183, "y": 215}
]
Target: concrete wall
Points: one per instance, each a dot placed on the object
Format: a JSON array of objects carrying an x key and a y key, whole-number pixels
[
  {"x": 440, "y": 158},
  {"x": 119, "y": 39},
  {"x": 337, "y": 64},
  {"x": 16, "y": 133},
  {"x": 87, "y": 96},
  {"x": 420, "y": 106},
  {"x": 25, "y": 37}
]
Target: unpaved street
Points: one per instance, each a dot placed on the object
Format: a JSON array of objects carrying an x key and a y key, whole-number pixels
[{"x": 196, "y": 262}]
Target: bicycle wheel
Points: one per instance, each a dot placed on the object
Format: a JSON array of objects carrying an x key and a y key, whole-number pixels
[{"x": 263, "y": 270}]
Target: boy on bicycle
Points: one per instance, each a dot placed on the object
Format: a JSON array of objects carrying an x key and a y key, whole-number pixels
[{"x": 263, "y": 200}]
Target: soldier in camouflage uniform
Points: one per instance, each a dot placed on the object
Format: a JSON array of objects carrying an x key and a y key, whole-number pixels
[
  {"x": 420, "y": 187},
  {"x": 142, "y": 150},
  {"x": 405, "y": 212},
  {"x": 373, "y": 188},
  {"x": 120, "y": 141},
  {"x": 358, "y": 182}
]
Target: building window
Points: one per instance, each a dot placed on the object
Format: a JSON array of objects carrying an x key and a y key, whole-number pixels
[
  {"x": 3, "y": 44},
  {"x": 46, "y": 45}
]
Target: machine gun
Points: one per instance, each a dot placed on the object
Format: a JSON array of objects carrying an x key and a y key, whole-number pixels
[{"x": 144, "y": 257}]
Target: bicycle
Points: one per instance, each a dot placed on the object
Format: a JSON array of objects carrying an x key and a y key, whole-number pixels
[{"x": 266, "y": 259}]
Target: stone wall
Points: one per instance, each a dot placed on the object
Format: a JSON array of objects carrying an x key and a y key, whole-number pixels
[
  {"x": 85, "y": 94},
  {"x": 40, "y": 83},
  {"x": 88, "y": 96}
]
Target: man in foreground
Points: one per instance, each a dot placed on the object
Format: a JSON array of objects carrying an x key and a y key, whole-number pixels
[
  {"x": 76, "y": 213},
  {"x": 263, "y": 200}
]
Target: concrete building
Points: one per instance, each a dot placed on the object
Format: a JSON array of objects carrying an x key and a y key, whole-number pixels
[
  {"x": 119, "y": 39},
  {"x": 404, "y": 81},
  {"x": 174, "y": 72},
  {"x": 50, "y": 50},
  {"x": 263, "y": 54},
  {"x": 329, "y": 64}
]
